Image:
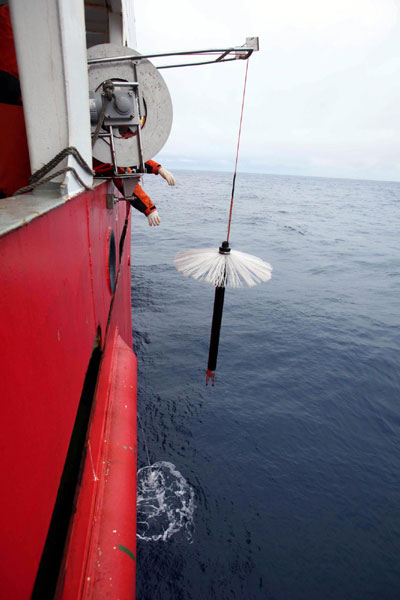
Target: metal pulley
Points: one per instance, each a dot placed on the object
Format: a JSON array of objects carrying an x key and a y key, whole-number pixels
[
  {"x": 120, "y": 110},
  {"x": 136, "y": 115}
]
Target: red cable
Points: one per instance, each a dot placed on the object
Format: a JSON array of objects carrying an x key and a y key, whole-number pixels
[{"x": 237, "y": 153}]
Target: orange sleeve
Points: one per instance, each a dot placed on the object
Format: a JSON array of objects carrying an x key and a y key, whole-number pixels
[
  {"x": 142, "y": 202},
  {"x": 152, "y": 167}
]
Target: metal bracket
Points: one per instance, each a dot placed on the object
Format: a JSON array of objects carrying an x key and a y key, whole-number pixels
[
  {"x": 129, "y": 183},
  {"x": 253, "y": 42},
  {"x": 135, "y": 123},
  {"x": 222, "y": 55},
  {"x": 111, "y": 201}
]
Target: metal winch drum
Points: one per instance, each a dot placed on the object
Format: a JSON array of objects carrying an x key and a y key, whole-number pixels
[{"x": 138, "y": 117}]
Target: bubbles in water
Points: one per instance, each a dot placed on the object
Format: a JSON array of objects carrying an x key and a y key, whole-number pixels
[{"x": 165, "y": 503}]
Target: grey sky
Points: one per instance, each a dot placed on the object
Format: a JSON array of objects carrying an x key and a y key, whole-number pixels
[{"x": 323, "y": 93}]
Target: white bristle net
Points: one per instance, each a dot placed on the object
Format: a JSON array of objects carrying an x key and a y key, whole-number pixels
[{"x": 236, "y": 269}]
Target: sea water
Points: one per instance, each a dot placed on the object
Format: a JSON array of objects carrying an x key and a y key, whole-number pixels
[{"x": 292, "y": 460}]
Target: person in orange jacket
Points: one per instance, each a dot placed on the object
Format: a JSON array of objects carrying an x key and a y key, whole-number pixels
[{"x": 140, "y": 200}]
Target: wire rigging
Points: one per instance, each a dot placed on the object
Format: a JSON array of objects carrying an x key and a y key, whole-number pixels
[{"x": 237, "y": 153}]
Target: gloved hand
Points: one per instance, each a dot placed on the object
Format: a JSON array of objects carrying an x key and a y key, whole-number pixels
[
  {"x": 169, "y": 178},
  {"x": 154, "y": 218}
]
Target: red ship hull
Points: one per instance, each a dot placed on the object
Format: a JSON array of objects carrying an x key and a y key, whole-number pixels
[{"x": 65, "y": 289}]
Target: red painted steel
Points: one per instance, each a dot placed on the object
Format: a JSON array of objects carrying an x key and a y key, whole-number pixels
[
  {"x": 54, "y": 297},
  {"x": 101, "y": 555}
]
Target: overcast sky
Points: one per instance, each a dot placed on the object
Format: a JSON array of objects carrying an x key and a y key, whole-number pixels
[{"x": 323, "y": 92}]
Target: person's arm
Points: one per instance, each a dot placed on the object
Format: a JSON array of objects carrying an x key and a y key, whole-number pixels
[
  {"x": 169, "y": 178},
  {"x": 152, "y": 167},
  {"x": 154, "y": 218},
  {"x": 143, "y": 203},
  {"x": 157, "y": 169}
]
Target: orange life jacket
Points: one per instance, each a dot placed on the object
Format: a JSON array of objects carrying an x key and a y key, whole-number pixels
[{"x": 15, "y": 167}]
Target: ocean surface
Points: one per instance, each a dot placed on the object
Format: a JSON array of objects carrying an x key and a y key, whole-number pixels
[{"x": 289, "y": 468}]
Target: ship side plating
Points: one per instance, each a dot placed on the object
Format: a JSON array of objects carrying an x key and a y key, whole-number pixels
[{"x": 68, "y": 383}]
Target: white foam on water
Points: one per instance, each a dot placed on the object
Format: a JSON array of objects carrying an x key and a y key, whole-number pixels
[{"x": 165, "y": 503}]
